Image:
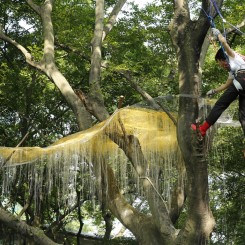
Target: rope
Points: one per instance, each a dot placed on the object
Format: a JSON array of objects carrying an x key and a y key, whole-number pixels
[
  {"x": 155, "y": 189},
  {"x": 211, "y": 20},
  {"x": 209, "y": 17},
  {"x": 223, "y": 19},
  {"x": 190, "y": 96},
  {"x": 217, "y": 8},
  {"x": 237, "y": 29}
]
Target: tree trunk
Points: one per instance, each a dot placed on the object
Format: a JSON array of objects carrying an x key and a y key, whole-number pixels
[
  {"x": 141, "y": 225},
  {"x": 95, "y": 94},
  {"x": 83, "y": 117},
  {"x": 188, "y": 37},
  {"x": 150, "y": 230}
]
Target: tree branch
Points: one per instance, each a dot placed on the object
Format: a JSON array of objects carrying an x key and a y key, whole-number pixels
[
  {"x": 23, "y": 229},
  {"x": 24, "y": 51},
  {"x": 62, "y": 217},
  {"x": 26, "y": 206},
  {"x": 95, "y": 93},
  {"x": 112, "y": 18},
  {"x": 147, "y": 97},
  {"x": 34, "y": 6},
  {"x": 132, "y": 149},
  {"x": 12, "y": 153}
]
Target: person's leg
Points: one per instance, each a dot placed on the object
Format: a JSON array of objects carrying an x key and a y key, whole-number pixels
[
  {"x": 242, "y": 111},
  {"x": 242, "y": 114},
  {"x": 222, "y": 103},
  {"x": 240, "y": 77}
]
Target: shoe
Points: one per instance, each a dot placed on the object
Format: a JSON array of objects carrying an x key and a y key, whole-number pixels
[{"x": 199, "y": 129}]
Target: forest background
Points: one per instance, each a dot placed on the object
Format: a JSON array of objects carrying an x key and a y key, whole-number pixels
[{"x": 138, "y": 56}]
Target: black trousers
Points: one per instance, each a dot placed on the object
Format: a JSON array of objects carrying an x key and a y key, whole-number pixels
[{"x": 227, "y": 98}]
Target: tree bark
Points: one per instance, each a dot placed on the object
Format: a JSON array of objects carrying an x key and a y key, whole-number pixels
[
  {"x": 188, "y": 37},
  {"x": 25, "y": 230},
  {"x": 141, "y": 225},
  {"x": 94, "y": 100},
  {"x": 95, "y": 94}
]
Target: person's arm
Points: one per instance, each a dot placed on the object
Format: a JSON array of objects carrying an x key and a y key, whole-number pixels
[
  {"x": 220, "y": 88},
  {"x": 223, "y": 41},
  {"x": 226, "y": 46},
  {"x": 224, "y": 86}
]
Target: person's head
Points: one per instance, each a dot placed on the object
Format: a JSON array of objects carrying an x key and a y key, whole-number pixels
[{"x": 221, "y": 59}]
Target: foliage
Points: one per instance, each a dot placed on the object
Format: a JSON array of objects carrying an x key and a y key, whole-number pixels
[
  {"x": 227, "y": 173},
  {"x": 139, "y": 44}
]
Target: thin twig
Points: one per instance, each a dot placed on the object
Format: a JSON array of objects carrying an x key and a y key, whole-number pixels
[{"x": 12, "y": 153}]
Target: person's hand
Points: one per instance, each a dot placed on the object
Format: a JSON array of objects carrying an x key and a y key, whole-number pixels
[
  {"x": 211, "y": 92},
  {"x": 215, "y": 32}
]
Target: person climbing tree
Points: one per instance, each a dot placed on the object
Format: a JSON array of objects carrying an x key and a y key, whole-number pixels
[{"x": 234, "y": 86}]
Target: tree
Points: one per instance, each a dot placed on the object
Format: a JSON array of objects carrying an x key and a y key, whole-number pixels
[
  {"x": 188, "y": 37},
  {"x": 226, "y": 176}
]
